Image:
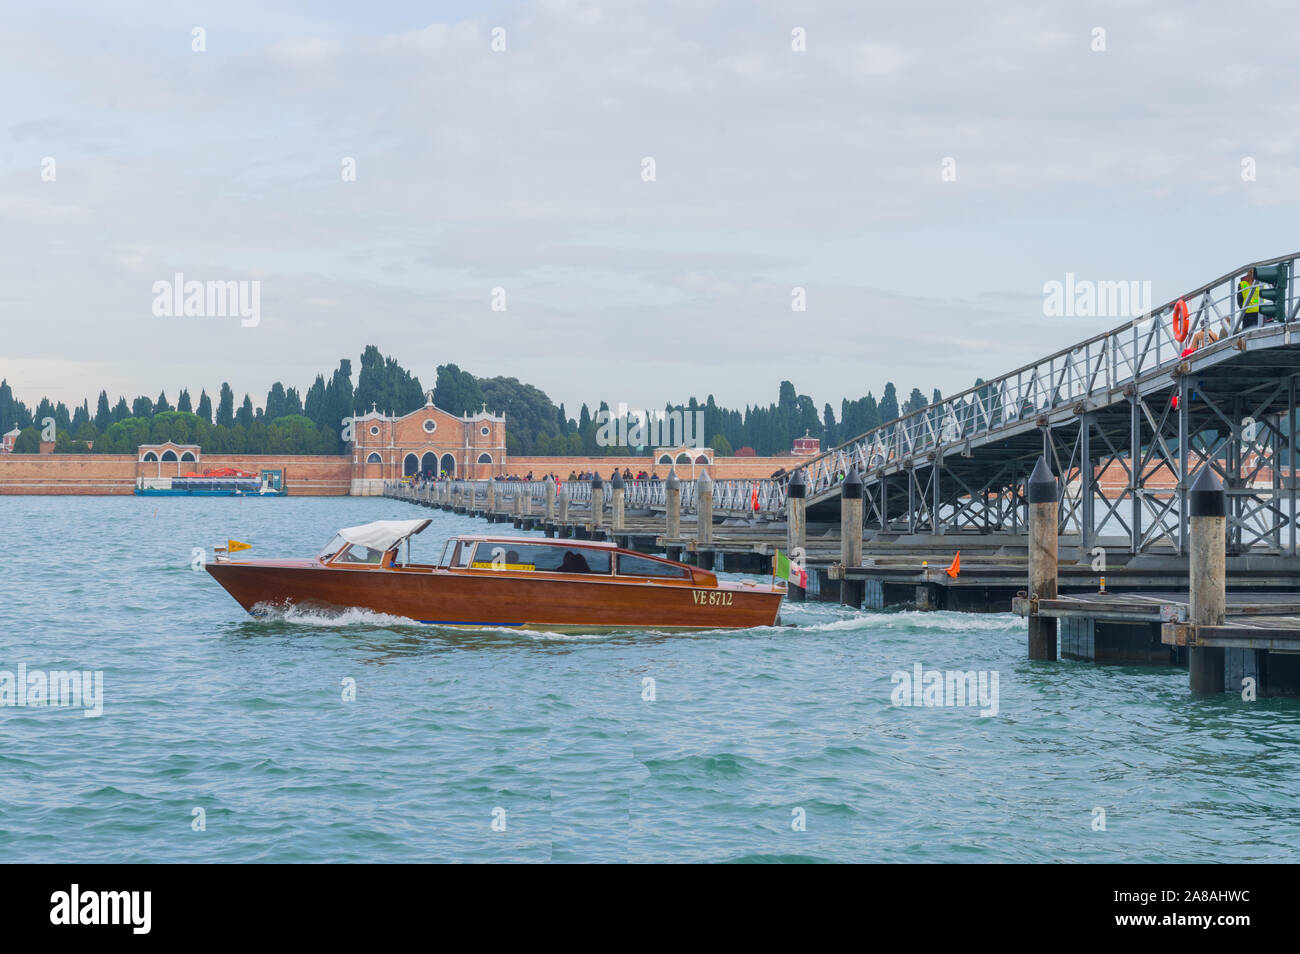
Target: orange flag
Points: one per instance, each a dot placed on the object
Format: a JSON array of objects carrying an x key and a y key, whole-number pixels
[{"x": 955, "y": 567}]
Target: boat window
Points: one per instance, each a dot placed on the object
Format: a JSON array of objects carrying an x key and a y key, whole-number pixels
[
  {"x": 332, "y": 547},
  {"x": 629, "y": 565},
  {"x": 465, "y": 553},
  {"x": 359, "y": 553},
  {"x": 543, "y": 559}
]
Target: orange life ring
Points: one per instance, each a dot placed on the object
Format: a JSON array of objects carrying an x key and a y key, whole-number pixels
[{"x": 1181, "y": 323}]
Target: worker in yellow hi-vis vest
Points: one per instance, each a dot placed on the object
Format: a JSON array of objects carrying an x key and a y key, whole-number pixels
[{"x": 1248, "y": 297}]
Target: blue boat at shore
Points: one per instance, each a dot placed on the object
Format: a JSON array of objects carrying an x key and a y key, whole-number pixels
[{"x": 269, "y": 484}]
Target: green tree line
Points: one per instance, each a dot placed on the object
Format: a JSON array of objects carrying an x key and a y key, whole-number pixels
[{"x": 288, "y": 421}]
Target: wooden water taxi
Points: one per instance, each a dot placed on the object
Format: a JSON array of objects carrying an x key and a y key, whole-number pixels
[{"x": 488, "y": 581}]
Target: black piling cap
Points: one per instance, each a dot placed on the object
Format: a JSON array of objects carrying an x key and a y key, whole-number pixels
[
  {"x": 796, "y": 487},
  {"x": 1042, "y": 484},
  {"x": 852, "y": 487},
  {"x": 1206, "y": 498},
  {"x": 616, "y": 481},
  {"x": 596, "y": 482}
]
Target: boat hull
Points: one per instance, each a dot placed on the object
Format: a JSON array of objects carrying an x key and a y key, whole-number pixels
[{"x": 461, "y": 598}]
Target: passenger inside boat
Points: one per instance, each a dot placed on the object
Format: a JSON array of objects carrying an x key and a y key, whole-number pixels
[{"x": 574, "y": 563}]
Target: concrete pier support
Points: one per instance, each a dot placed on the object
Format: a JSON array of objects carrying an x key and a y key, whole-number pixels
[
  {"x": 796, "y": 525},
  {"x": 1207, "y": 576},
  {"x": 550, "y": 498},
  {"x": 673, "y": 489},
  {"x": 491, "y": 498},
  {"x": 562, "y": 509},
  {"x": 851, "y": 593},
  {"x": 597, "y": 502},
  {"x": 1044, "y": 501},
  {"x": 703, "y": 512},
  {"x": 616, "y": 485}
]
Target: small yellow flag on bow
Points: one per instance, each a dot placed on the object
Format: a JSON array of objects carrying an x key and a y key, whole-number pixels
[{"x": 234, "y": 546}]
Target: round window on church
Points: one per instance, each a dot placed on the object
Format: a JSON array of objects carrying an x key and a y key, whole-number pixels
[
  {"x": 374, "y": 430},
  {"x": 430, "y": 426},
  {"x": 485, "y": 430}
]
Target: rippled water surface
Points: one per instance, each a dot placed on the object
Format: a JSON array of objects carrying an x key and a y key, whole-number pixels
[{"x": 747, "y": 733}]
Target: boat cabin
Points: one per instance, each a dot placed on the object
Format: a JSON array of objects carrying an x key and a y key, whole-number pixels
[{"x": 386, "y": 544}]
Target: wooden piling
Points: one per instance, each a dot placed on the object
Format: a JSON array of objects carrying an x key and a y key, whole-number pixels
[
  {"x": 851, "y": 591},
  {"x": 597, "y": 502},
  {"x": 550, "y": 498},
  {"x": 1044, "y": 501},
  {"x": 1207, "y": 576},
  {"x": 673, "y": 490},
  {"x": 703, "y": 511},
  {"x": 616, "y": 485}
]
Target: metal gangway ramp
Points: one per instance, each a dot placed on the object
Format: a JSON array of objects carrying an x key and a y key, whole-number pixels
[{"x": 1126, "y": 422}]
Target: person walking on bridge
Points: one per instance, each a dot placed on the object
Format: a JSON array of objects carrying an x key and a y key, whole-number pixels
[{"x": 1248, "y": 297}]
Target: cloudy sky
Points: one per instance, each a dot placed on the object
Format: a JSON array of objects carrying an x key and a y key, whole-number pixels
[{"x": 522, "y": 169}]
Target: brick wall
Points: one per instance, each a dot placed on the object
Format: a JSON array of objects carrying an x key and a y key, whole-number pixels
[{"x": 116, "y": 473}]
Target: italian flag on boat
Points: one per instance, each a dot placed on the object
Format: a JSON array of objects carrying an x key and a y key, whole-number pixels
[{"x": 790, "y": 572}]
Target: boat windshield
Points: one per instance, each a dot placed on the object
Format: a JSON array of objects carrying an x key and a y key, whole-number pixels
[
  {"x": 360, "y": 553},
  {"x": 332, "y": 547},
  {"x": 356, "y": 553}
]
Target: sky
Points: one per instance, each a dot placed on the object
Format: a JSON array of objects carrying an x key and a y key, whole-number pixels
[{"x": 919, "y": 170}]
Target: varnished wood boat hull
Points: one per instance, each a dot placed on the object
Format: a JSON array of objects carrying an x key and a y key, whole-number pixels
[{"x": 514, "y": 600}]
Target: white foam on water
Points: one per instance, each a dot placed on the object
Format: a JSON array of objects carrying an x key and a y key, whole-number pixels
[
  {"x": 324, "y": 617},
  {"x": 911, "y": 621}
]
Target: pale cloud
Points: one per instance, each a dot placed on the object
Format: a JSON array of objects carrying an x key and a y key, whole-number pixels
[{"x": 521, "y": 170}]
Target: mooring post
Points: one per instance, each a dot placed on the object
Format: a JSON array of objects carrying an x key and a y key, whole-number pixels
[
  {"x": 492, "y": 499},
  {"x": 564, "y": 507},
  {"x": 1207, "y": 576},
  {"x": 617, "y": 484},
  {"x": 550, "y": 498},
  {"x": 1044, "y": 496},
  {"x": 597, "y": 501},
  {"x": 795, "y": 525},
  {"x": 673, "y": 492},
  {"x": 703, "y": 511},
  {"x": 851, "y": 591}
]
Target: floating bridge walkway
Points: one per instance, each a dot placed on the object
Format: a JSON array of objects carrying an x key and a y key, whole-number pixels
[
  {"x": 1125, "y": 421},
  {"x": 1125, "y": 424}
]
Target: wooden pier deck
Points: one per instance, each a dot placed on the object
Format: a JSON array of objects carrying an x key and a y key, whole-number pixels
[{"x": 1136, "y": 611}]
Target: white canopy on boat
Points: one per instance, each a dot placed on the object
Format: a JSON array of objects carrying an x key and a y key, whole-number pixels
[{"x": 383, "y": 534}]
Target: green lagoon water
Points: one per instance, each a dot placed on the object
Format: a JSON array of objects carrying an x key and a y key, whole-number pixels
[{"x": 747, "y": 734}]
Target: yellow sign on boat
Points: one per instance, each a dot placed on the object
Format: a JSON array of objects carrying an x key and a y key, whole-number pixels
[{"x": 234, "y": 546}]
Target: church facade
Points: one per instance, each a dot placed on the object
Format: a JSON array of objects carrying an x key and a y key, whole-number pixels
[{"x": 428, "y": 441}]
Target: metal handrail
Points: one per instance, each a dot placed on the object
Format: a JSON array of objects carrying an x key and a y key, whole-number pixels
[{"x": 1124, "y": 355}]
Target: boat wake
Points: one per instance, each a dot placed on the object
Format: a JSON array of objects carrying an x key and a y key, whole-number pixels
[{"x": 314, "y": 616}]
